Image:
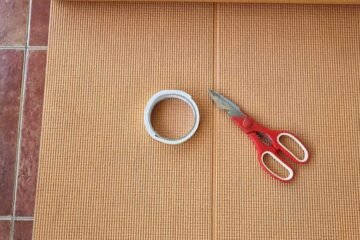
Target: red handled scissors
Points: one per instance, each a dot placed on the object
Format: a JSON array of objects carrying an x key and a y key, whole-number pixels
[{"x": 267, "y": 142}]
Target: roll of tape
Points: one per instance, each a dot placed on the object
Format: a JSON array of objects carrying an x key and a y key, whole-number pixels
[{"x": 166, "y": 94}]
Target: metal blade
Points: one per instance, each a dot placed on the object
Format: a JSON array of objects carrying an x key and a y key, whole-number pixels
[{"x": 225, "y": 104}]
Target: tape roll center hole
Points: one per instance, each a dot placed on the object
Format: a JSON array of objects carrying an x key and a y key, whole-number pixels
[{"x": 172, "y": 118}]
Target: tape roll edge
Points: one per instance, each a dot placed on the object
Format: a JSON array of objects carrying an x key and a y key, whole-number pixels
[{"x": 168, "y": 94}]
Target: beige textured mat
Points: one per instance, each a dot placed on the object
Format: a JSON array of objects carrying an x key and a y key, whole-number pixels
[
  {"x": 239, "y": 1},
  {"x": 291, "y": 67},
  {"x": 294, "y": 68}
]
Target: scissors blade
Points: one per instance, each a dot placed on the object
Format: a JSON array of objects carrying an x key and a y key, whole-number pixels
[{"x": 225, "y": 104}]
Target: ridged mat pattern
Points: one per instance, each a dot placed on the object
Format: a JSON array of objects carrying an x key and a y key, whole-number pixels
[
  {"x": 291, "y": 67},
  {"x": 240, "y": 1}
]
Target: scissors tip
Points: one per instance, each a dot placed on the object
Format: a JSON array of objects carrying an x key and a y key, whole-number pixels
[
  {"x": 213, "y": 94},
  {"x": 224, "y": 103}
]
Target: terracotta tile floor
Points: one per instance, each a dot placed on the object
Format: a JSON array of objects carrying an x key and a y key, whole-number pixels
[{"x": 23, "y": 48}]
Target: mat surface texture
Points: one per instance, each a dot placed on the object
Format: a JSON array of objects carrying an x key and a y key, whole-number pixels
[{"x": 291, "y": 67}]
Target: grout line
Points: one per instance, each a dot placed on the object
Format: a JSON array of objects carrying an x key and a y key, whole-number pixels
[
  {"x": 28, "y": 25},
  {"x": 21, "y": 108},
  {"x": 12, "y": 47},
  {"x": 37, "y": 47},
  {"x": 17, "y": 218},
  {"x": 24, "y": 218},
  {"x": 18, "y": 147},
  {"x": 23, "y": 47}
]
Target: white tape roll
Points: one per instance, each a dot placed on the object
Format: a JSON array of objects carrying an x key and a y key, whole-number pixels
[{"x": 165, "y": 94}]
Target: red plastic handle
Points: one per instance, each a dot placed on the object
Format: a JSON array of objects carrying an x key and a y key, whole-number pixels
[{"x": 251, "y": 128}]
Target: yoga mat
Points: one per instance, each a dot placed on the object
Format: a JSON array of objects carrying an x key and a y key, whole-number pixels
[
  {"x": 291, "y": 67},
  {"x": 241, "y": 1}
]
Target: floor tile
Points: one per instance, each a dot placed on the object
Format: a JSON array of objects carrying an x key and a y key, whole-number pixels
[
  {"x": 39, "y": 22},
  {"x": 4, "y": 230},
  {"x": 11, "y": 63},
  {"x": 13, "y": 19},
  {"x": 31, "y": 129},
  {"x": 23, "y": 230}
]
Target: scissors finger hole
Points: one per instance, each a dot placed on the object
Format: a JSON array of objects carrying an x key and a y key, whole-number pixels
[
  {"x": 293, "y": 146},
  {"x": 276, "y": 167}
]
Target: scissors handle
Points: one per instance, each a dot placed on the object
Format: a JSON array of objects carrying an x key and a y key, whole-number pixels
[
  {"x": 251, "y": 128},
  {"x": 290, "y": 173},
  {"x": 281, "y": 147}
]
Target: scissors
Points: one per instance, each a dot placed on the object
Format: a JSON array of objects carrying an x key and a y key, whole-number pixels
[{"x": 267, "y": 142}]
